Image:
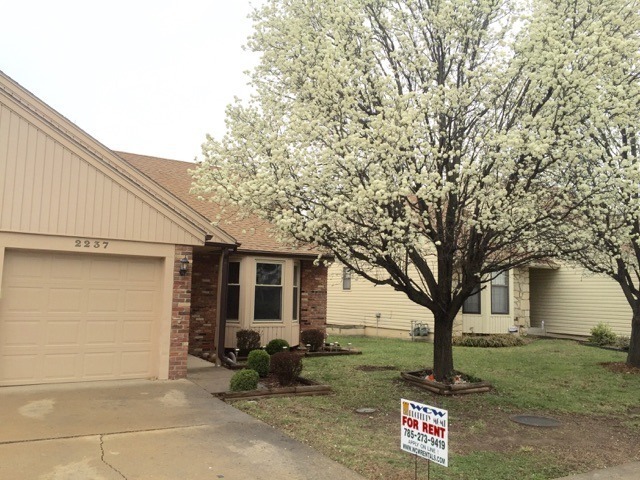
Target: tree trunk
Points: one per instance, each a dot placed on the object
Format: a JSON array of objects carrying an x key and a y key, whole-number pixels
[
  {"x": 442, "y": 348},
  {"x": 633, "y": 358}
]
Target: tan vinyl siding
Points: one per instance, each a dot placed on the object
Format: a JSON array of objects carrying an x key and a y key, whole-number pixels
[
  {"x": 571, "y": 301},
  {"x": 46, "y": 187},
  {"x": 359, "y": 305}
]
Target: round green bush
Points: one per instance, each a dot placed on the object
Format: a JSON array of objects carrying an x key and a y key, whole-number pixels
[
  {"x": 314, "y": 338},
  {"x": 602, "y": 334},
  {"x": 259, "y": 360},
  {"x": 244, "y": 380},
  {"x": 276, "y": 346},
  {"x": 247, "y": 340},
  {"x": 287, "y": 367}
]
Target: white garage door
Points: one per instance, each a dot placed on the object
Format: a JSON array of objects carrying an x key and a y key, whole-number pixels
[{"x": 78, "y": 317}]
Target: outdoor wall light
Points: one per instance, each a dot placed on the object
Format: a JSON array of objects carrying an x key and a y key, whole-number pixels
[{"x": 183, "y": 266}]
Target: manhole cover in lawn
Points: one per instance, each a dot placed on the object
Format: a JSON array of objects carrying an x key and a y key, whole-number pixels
[
  {"x": 536, "y": 421},
  {"x": 366, "y": 410}
]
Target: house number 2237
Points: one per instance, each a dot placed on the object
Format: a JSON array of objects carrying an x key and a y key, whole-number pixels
[{"x": 91, "y": 244}]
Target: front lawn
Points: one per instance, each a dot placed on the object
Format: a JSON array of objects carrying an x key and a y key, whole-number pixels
[{"x": 599, "y": 410}]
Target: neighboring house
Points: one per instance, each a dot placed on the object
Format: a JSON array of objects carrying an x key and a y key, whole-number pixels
[
  {"x": 541, "y": 299},
  {"x": 102, "y": 269}
]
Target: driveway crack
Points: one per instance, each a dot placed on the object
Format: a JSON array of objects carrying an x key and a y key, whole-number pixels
[{"x": 105, "y": 462}]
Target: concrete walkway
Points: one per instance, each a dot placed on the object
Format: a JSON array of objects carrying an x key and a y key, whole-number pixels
[
  {"x": 146, "y": 430},
  {"x": 628, "y": 471}
]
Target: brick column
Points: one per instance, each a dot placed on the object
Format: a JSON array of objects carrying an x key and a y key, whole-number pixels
[
  {"x": 204, "y": 302},
  {"x": 180, "y": 314},
  {"x": 313, "y": 296}
]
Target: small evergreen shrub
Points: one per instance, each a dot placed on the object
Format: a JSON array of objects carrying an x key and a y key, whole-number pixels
[
  {"x": 489, "y": 341},
  {"x": 244, "y": 380},
  {"x": 276, "y": 346},
  {"x": 287, "y": 367},
  {"x": 259, "y": 360},
  {"x": 247, "y": 340},
  {"x": 602, "y": 334},
  {"x": 623, "y": 343},
  {"x": 314, "y": 338}
]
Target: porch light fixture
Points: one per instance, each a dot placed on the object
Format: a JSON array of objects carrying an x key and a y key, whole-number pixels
[{"x": 183, "y": 266}]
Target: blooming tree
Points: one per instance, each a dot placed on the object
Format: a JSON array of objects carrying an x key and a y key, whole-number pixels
[
  {"x": 605, "y": 237},
  {"x": 421, "y": 142}
]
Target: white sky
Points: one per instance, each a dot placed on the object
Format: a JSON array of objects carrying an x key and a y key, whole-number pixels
[{"x": 142, "y": 76}]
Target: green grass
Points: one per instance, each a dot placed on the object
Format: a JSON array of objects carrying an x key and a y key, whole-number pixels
[{"x": 552, "y": 377}]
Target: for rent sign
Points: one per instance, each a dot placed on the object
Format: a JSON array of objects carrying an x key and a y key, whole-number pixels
[{"x": 424, "y": 431}]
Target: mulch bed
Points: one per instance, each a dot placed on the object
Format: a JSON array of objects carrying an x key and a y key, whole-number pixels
[
  {"x": 269, "y": 387},
  {"x": 465, "y": 386},
  {"x": 621, "y": 367}
]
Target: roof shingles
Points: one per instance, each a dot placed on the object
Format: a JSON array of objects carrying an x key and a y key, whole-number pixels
[{"x": 253, "y": 234}]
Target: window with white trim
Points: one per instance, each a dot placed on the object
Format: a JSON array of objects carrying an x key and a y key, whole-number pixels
[
  {"x": 296, "y": 291},
  {"x": 233, "y": 292},
  {"x": 472, "y": 304},
  {"x": 268, "y": 292},
  {"x": 346, "y": 278},
  {"x": 500, "y": 294}
]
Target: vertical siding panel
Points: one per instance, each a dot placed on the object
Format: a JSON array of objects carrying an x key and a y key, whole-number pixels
[
  {"x": 69, "y": 201},
  {"x": 82, "y": 198},
  {"x": 92, "y": 211},
  {"x": 56, "y": 217},
  {"x": 28, "y": 187},
  {"x": 106, "y": 207},
  {"x": 46, "y": 159},
  {"x": 5, "y": 129},
  {"x": 137, "y": 218},
  {"x": 18, "y": 185},
  {"x": 38, "y": 209}
]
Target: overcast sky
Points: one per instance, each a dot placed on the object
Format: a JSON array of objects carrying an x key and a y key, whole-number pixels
[{"x": 148, "y": 77}]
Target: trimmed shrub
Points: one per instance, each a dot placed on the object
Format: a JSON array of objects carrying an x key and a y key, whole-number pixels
[
  {"x": 276, "y": 346},
  {"x": 489, "y": 341},
  {"x": 287, "y": 367},
  {"x": 259, "y": 360},
  {"x": 602, "y": 334},
  {"x": 314, "y": 338},
  {"x": 244, "y": 380},
  {"x": 247, "y": 340},
  {"x": 623, "y": 343}
]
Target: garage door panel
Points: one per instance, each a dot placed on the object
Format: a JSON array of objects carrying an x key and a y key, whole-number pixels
[
  {"x": 65, "y": 300},
  {"x": 137, "y": 332},
  {"x": 103, "y": 300},
  {"x": 140, "y": 301},
  {"x": 100, "y": 364},
  {"x": 19, "y": 333},
  {"x": 63, "y": 333},
  {"x": 63, "y": 366},
  {"x": 63, "y": 267},
  {"x": 75, "y": 317},
  {"x": 105, "y": 270},
  {"x": 17, "y": 299},
  {"x": 139, "y": 272},
  {"x": 135, "y": 363},
  {"x": 100, "y": 333},
  {"x": 17, "y": 369}
]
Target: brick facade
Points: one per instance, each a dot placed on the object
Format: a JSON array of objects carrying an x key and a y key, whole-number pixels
[
  {"x": 204, "y": 305},
  {"x": 180, "y": 313},
  {"x": 313, "y": 296}
]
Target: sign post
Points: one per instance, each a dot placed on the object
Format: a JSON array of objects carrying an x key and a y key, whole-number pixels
[{"x": 424, "y": 431}]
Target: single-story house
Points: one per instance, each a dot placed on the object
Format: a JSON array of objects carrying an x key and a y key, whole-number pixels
[
  {"x": 554, "y": 298},
  {"x": 107, "y": 273}
]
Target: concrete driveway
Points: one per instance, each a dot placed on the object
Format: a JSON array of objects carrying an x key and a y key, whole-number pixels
[{"x": 144, "y": 430}]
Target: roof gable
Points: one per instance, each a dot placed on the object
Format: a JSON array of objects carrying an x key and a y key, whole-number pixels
[{"x": 56, "y": 179}]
